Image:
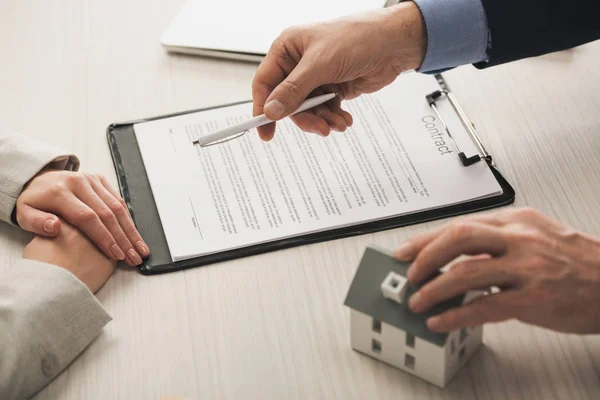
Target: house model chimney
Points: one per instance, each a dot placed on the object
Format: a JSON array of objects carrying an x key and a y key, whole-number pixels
[{"x": 394, "y": 286}]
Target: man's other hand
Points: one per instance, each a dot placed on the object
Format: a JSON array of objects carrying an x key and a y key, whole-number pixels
[{"x": 547, "y": 274}]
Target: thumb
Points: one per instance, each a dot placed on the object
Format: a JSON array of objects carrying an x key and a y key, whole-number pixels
[
  {"x": 36, "y": 221},
  {"x": 294, "y": 89}
]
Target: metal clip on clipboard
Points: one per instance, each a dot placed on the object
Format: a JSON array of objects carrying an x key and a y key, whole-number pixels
[{"x": 446, "y": 93}]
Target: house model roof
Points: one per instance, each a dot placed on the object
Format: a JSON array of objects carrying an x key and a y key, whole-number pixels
[{"x": 365, "y": 296}]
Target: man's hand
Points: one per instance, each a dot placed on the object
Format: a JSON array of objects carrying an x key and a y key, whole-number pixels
[
  {"x": 87, "y": 202},
  {"x": 349, "y": 56},
  {"x": 548, "y": 274},
  {"x": 73, "y": 251}
]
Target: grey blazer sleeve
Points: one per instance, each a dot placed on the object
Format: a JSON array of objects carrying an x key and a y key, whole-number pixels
[
  {"x": 47, "y": 317},
  {"x": 20, "y": 160}
]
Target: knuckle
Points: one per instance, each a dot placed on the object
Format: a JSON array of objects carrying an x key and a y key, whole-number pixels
[
  {"x": 86, "y": 215},
  {"x": 279, "y": 48},
  {"x": 526, "y": 213},
  {"x": 75, "y": 179},
  {"x": 461, "y": 230},
  {"x": 571, "y": 236},
  {"x": 528, "y": 237},
  {"x": 117, "y": 208},
  {"x": 292, "y": 88},
  {"x": 288, "y": 33},
  {"x": 105, "y": 214},
  {"x": 57, "y": 190}
]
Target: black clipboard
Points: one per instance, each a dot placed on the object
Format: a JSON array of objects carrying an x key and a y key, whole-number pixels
[{"x": 135, "y": 189}]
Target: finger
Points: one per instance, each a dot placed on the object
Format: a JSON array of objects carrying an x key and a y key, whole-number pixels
[
  {"x": 119, "y": 209},
  {"x": 486, "y": 309},
  {"x": 270, "y": 73},
  {"x": 86, "y": 193},
  {"x": 79, "y": 214},
  {"x": 274, "y": 68},
  {"x": 293, "y": 90},
  {"x": 334, "y": 103},
  {"x": 335, "y": 121},
  {"x": 463, "y": 237},
  {"x": 336, "y": 108},
  {"x": 465, "y": 275},
  {"x": 309, "y": 122},
  {"x": 266, "y": 132},
  {"x": 38, "y": 222},
  {"x": 113, "y": 191},
  {"x": 408, "y": 250},
  {"x": 531, "y": 217}
]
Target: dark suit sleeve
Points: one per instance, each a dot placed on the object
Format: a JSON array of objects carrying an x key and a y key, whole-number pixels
[{"x": 527, "y": 28}]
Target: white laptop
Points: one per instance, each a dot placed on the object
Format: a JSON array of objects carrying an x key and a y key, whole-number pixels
[{"x": 245, "y": 29}]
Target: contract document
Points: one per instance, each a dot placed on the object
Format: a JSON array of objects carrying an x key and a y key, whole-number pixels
[{"x": 395, "y": 160}]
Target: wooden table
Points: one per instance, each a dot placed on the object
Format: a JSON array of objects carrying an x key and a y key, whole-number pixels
[{"x": 273, "y": 326}]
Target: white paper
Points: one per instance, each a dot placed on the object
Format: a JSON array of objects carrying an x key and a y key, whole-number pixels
[
  {"x": 394, "y": 160},
  {"x": 251, "y": 26}
]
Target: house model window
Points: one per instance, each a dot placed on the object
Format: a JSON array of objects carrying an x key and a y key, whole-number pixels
[
  {"x": 410, "y": 340},
  {"x": 376, "y": 326},
  {"x": 409, "y": 361},
  {"x": 376, "y": 346},
  {"x": 383, "y": 327}
]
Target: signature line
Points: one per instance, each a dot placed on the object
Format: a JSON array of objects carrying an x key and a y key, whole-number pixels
[{"x": 196, "y": 218}]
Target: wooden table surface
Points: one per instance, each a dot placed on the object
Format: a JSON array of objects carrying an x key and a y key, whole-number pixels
[{"x": 273, "y": 326}]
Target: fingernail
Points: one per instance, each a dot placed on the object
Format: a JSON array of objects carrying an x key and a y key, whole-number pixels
[
  {"x": 134, "y": 257},
  {"x": 117, "y": 252},
  {"x": 49, "y": 226},
  {"x": 404, "y": 252},
  {"x": 274, "y": 108},
  {"x": 142, "y": 248},
  {"x": 434, "y": 323},
  {"x": 414, "y": 301}
]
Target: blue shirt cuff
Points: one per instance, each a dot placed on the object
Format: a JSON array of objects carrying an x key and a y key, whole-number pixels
[{"x": 457, "y": 33}]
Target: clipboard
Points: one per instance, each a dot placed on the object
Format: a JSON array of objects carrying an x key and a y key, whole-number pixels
[{"x": 137, "y": 193}]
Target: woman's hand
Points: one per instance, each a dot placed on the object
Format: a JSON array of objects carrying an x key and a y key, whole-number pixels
[
  {"x": 548, "y": 274},
  {"x": 87, "y": 202},
  {"x": 349, "y": 56},
  {"x": 73, "y": 251}
]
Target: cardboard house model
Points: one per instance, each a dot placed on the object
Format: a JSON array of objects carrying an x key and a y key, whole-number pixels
[{"x": 383, "y": 327}]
